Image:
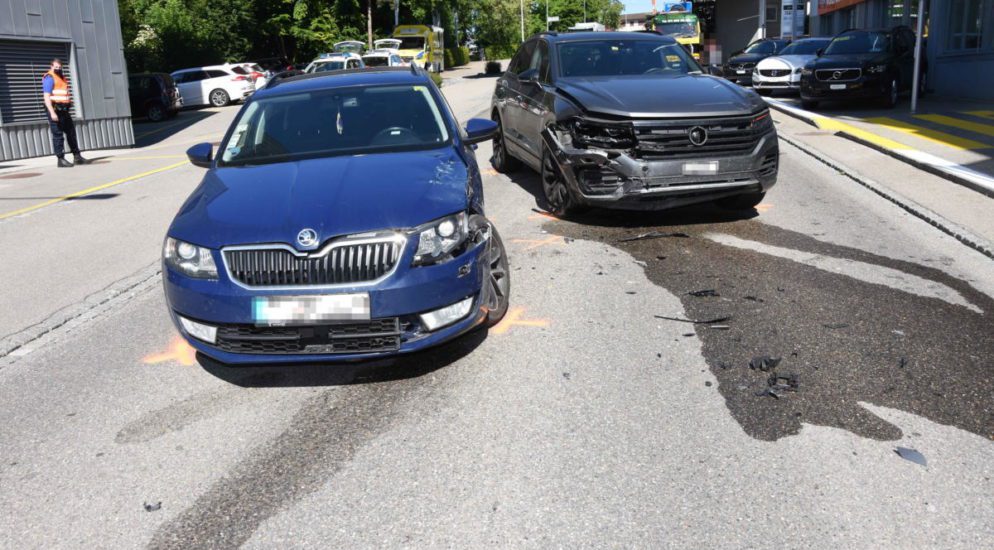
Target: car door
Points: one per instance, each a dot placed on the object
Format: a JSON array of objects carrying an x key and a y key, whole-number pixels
[
  {"x": 189, "y": 87},
  {"x": 535, "y": 105},
  {"x": 509, "y": 96}
]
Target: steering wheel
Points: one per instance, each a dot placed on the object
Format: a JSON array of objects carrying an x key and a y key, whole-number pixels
[{"x": 395, "y": 134}]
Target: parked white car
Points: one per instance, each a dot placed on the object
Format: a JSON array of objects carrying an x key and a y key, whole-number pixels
[
  {"x": 383, "y": 58},
  {"x": 335, "y": 62},
  {"x": 215, "y": 85},
  {"x": 783, "y": 71}
]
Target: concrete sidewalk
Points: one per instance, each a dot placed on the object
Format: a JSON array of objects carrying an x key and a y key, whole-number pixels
[{"x": 953, "y": 139}]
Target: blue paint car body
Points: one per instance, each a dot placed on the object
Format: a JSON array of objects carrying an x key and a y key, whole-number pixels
[{"x": 268, "y": 205}]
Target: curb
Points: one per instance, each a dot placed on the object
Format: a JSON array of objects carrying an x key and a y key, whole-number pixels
[
  {"x": 932, "y": 164},
  {"x": 959, "y": 233}
]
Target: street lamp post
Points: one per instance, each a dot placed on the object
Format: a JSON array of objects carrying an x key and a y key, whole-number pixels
[{"x": 522, "y": 20}]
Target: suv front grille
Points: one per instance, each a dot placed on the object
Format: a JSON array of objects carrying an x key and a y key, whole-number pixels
[
  {"x": 377, "y": 335},
  {"x": 838, "y": 75},
  {"x": 659, "y": 140},
  {"x": 343, "y": 262}
]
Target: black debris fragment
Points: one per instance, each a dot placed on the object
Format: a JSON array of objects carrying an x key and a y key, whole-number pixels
[
  {"x": 629, "y": 292},
  {"x": 566, "y": 375},
  {"x": 704, "y": 293},
  {"x": 660, "y": 257},
  {"x": 911, "y": 455},
  {"x": 152, "y": 507},
  {"x": 568, "y": 240},
  {"x": 659, "y": 355},
  {"x": 902, "y": 363},
  {"x": 708, "y": 384},
  {"x": 724, "y": 366},
  {"x": 704, "y": 322},
  {"x": 834, "y": 326},
  {"x": 654, "y": 235},
  {"x": 783, "y": 382},
  {"x": 688, "y": 334},
  {"x": 752, "y": 298},
  {"x": 764, "y": 363}
]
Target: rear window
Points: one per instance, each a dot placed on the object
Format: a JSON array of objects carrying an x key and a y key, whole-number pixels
[{"x": 353, "y": 120}]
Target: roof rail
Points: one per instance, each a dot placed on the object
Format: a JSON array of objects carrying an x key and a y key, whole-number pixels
[{"x": 549, "y": 33}]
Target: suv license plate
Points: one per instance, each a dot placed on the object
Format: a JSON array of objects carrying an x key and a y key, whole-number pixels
[
  {"x": 700, "y": 168},
  {"x": 309, "y": 310},
  {"x": 740, "y": 71},
  {"x": 837, "y": 86}
]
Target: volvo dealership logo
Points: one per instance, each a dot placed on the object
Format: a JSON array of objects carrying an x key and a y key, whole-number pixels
[
  {"x": 307, "y": 238},
  {"x": 698, "y": 135}
]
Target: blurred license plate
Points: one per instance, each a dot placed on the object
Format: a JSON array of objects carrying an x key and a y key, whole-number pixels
[
  {"x": 309, "y": 310},
  {"x": 700, "y": 168},
  {"x": 740, "y": 71},
  {"x": 837, "y": 86}
]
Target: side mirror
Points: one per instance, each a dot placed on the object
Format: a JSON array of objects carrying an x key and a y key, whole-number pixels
[
  {"x": 480, "y": 129},
  {"x": 819, "y": 51},
  {"x": 201, "y": 155},
  {"x": 529, "y": 75}
]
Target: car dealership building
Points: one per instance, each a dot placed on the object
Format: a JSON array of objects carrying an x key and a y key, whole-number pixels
[{"x": 86, "y": 36}]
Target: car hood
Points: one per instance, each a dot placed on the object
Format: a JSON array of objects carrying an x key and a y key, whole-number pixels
[
  {"x": 647, "y": 96},
  {"x": 334, "y": 196},
  {"x": 849, "y": 60},
  {"x": 785, "y": 61},
  {"x": 747, "y": 58}
]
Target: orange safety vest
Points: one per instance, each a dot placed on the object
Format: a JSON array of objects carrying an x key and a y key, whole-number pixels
[{"x": 60, "y": 93}]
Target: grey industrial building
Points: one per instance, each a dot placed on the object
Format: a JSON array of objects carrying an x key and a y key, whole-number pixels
[{"x": 86, "y": 35}]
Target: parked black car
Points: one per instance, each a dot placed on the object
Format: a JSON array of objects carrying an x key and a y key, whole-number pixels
[
  {"x": 863, "y": 64},
  {"x": 628, "y": 120},
  {"x": 739, "y": 66},
  {"x": 282, "y": 75},
  {"x": 153, "y": 96}
]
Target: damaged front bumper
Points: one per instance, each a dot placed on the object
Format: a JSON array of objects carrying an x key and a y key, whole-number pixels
[{"x": 618, "y": 179}]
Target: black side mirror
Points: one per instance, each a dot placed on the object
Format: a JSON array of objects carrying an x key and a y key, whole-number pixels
[
  {"x": 529, "y": 75},
  {"x": 201, "y": 155},
  {"x": 820, "y": 51},
  {"x": 480, "y": 129}
]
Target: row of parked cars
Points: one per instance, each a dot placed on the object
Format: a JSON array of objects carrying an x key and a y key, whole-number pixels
[
  {"x": 158, "y": 96},
  {"x": 856, "y": 64}
]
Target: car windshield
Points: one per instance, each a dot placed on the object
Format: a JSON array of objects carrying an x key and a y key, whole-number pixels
[
  {"x": 341, "y": 121},
  {"x": 858, "y": 42},
  {"x": 676, "y": 28},
  {"x": 376, "y": 61},
  {"x": 763, "y": 47},
  {"x": 623, "y": 57},
  {"x": 387, "y": 43},
  {"x": 804, "y": 47},
  {"x": 329, "y": 66},
  {"x": 412, "y": 43}
]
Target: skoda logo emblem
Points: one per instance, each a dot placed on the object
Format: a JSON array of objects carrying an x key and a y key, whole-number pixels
[
  {"x": 698, "y": 135},
  {"x": 837, "y": 75},
  {"x": 307, "y": 238}
]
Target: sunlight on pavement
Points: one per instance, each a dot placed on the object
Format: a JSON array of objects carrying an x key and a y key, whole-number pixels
[
  {"x": 934, "y": 136},
  {"x": 514, "y": 318},
  {"x": 179, "y": 352},
  {"x": 539, "y": 243}
]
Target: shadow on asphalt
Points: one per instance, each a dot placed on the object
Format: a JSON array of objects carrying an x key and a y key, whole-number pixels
[
  {"x": 151, "y": 133},
  {"x": 334, "y": 374},
  {"x": 482, "y": 75}
]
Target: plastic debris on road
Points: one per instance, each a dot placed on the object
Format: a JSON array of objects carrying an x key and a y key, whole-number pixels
[
  {"x": 911, "y": 455},
  {"x": 654, "y": 235}
]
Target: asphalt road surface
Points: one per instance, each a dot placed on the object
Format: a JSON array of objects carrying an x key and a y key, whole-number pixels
[{"x": 589, "y": 418}]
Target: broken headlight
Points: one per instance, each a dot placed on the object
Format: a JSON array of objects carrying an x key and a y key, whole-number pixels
[
  {"x": 601, "y": 135},
  {"x": 438, "y": 241}
]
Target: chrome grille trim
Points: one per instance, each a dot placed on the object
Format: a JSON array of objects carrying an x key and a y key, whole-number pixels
[
  {"x": 344, "y": 262},
  {"x": 848, "y": 74}
]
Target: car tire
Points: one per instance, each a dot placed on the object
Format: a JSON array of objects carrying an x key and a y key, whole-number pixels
[
  {"x": 746, "y": 201},
  {"x": 890, "y": 94},
  {"x": 500, "y": 279},
  {"x": 219, "y": 98},
  {"x": 809, "y": 104},
  {"x": 501, "y": 160},
  {"x": 154, "y": 112},
  {"x": 559, "y": 200}
]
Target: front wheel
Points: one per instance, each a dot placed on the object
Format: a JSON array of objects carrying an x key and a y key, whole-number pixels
[
  {"x": 741, "y": 202},
  {"x": 558, "y": 198},
  {"x": 890, "y": 95},
  {"x": 219, "y": 98},
  {"x": 155, "y": 113},
  {"x": 500, "y": 279}
]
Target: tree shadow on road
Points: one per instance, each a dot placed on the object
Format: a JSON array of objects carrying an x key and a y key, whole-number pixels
[{"x": 343, "y": 374}]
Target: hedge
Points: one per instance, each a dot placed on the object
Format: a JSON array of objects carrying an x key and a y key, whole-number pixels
[{"x": 455, "y": 57}]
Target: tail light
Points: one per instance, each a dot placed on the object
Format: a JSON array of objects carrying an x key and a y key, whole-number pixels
[
  {"x": 239, "y": 77},
  {"x": 256, "y": 74}
]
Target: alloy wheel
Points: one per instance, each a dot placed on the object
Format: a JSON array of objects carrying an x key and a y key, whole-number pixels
[
  {"x": 219, "y": 98},
  {"x": 499, "y": 282},
  {"x": 553, "y": 186}
]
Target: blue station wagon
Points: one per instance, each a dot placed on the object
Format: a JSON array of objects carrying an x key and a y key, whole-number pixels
[{"x": 341, "y": 219}]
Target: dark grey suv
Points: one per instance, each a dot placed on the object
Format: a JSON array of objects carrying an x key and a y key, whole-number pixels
[{"x": 629, "y": 120}]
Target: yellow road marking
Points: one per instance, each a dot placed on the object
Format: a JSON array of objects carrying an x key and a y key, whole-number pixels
[
  {"x": 975, "y": 127},
  {"x": 832, "y": 125},
  {"x": 539, "y": 243},
  {"x": 934, "y": 136},
  {"x": 179, "y": 351},
  {"x": 124, "y": 157},
  {"x": 514, "y": 318},
  {"x": 981, "y": 114},
  {"x": 90, "y": 190}
]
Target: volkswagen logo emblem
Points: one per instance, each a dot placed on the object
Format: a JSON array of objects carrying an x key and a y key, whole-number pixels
[
  {"x": 307, "y": 238},
  {"x": 836, "y": 75},
  {"x": 697, "y": 135}
]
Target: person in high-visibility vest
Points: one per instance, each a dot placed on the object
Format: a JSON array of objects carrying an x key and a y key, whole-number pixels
[{"x": 58, "y": 102}]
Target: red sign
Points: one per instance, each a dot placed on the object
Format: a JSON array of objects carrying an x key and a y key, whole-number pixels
[{"x": 828, "y": 6}]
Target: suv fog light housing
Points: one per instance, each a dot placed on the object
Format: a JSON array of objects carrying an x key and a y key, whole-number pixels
[
  {"x": 434, "y": 320},
  {"x": 199, "y": 331}
]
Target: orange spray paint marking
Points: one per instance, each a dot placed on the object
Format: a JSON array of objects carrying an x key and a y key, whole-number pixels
[
  {"x": 541, "y": 215},
  {"x": 179, "y": 351},
  {"x": 514, "y": 318},
  {"x": 490, "y": 172},
  {"x": 537, "y": 244},
  {"x": 763, "y": 206}
]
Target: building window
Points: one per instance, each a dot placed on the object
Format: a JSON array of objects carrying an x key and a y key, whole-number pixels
[
  {"x": 965, "y": 29},
  {"x": 772, "y": 13},
  {"x": 23, "y": 63}
]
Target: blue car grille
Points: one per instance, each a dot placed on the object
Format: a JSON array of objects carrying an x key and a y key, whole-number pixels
[
  {"x": 377, "y": 335},
  {"x": 338, "y": 263}
]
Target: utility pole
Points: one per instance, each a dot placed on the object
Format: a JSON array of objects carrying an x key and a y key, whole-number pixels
[
  {"x": 522, "y": 21},
  {"x": 369, "y": 23},
  {"x": 546, "y": 15},
  {"x": 762, "y": 18}
]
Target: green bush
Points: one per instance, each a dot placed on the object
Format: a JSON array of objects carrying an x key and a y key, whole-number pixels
[
  {"x": 436, "y": 78},
  {"x": 463, "y": 55},
  {"x": 456, "y": 57},
  {"x": 450, "y": 59}
]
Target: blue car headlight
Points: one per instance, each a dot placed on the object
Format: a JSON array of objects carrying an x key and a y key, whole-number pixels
[
  {"x": 438, "y": 241},
  {"x": 190, "y": 260}
]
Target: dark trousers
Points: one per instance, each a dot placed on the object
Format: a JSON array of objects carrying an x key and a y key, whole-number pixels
[{"x": 62, "y": 131}]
